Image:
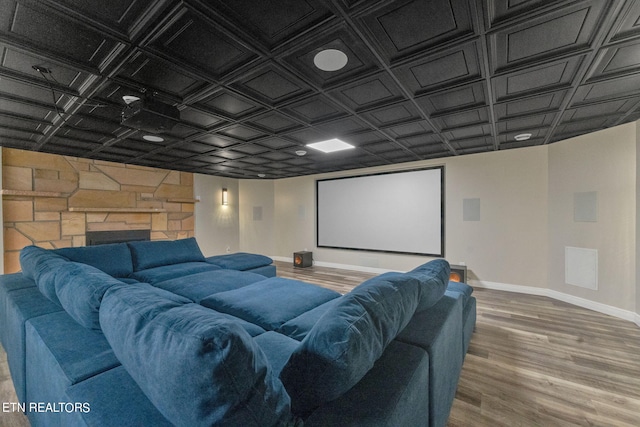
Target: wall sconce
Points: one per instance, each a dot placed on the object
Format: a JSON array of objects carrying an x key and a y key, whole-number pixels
[{"x": 225, "y": 197}]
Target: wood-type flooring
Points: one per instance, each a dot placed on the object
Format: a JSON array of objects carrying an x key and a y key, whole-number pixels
[{"x": 533, "y": 361}]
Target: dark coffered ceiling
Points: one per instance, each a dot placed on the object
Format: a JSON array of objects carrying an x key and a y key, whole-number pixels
[{"x": 424, "y": 79}]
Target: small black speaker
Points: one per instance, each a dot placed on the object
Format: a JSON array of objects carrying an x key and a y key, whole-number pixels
[
  {"x": 302, "y": 259},
  {"x": 458, "y": 273}
]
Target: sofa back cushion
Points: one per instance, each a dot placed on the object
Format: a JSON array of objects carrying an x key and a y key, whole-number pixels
[
  {"x": 114, "y": 259},
  {"x": 240, "y": 261},
  {"x": 195, "y": 366},
  {"x": 80, "y": 288},
  {"x": 149, "y": 254},
  {"x": 347, "y": 340},
  {"x": 433, "y": 277},
  {"x": 37, "y": 264}
]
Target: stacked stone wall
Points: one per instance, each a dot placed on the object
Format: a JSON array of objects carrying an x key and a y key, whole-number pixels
[{"x": 51, "y": 201}]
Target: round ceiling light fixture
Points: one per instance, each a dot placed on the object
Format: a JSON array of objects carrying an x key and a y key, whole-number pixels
[
  {"x": 261, "y": 175},
  {"x": 330, "y": 60},
  {"x": 301, "y": 152},
  {"x": 153, "y": 138},
  {"x": 522, "y": 137}
]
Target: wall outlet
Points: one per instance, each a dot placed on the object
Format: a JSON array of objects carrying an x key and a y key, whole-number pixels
[{"x": 228, "y": 249}]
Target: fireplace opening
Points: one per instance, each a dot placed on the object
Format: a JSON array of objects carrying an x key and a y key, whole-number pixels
[{"x": 116, "y": 236}]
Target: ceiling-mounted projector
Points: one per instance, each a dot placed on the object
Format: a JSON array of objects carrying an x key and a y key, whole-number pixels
[{"x": 150, "y": 115}]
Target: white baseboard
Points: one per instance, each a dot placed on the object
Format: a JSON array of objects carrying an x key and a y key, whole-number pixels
[
  {"x": 580, "y": 302},
  {"x": 530, "y": 290}
]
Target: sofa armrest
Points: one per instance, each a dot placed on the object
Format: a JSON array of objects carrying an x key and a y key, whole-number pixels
[
  {"x": 395, "y": 392},
  {"x": 438, "y": 330}
]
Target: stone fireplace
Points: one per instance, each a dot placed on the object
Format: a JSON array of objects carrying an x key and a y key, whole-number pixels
[
  {"x": 93, "y": 238},
  {"x": 52, "y": 201}
]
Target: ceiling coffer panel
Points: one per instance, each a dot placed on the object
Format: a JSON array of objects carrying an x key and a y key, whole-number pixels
[
  {"x": 559, "y": 32},
  {"x": 273, "y": 22},
  {"x": 445, "y": 69},
  {"x": 271, "y": 85},
  {"x": 402, "y": 28},
  {"x": 183, "y": 41},
  {"x": 422, "y": 79},
  {"x": 45, "y": 29}
]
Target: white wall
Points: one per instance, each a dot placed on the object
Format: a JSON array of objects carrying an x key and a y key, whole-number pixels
[
  {"x": 508, "y": 244},
  {"x": 295, "y": 216},
  {"x": 526, "y": 217},
  {"x": 605, "y": 163},
  {"x": 217, "y": 227},
  {"x": 257, "y": 220}
]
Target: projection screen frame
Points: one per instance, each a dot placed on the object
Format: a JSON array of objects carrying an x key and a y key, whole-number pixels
[{"x": 441, "y": 253}]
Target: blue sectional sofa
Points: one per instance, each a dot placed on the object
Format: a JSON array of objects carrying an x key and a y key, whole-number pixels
[{"x": 154, "y": 333}]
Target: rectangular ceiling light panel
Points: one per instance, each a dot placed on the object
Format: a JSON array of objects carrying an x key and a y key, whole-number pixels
[{"x": 331, "y": 145}]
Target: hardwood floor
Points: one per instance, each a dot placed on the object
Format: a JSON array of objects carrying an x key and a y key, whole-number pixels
[{"x": 534, "y": 361}]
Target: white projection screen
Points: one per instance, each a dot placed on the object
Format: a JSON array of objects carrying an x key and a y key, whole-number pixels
[{"x": 399, "y": 212}]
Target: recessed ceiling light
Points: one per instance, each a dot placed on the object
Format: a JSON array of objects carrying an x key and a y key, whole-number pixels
[
  {"x": 153, "y": 138},
  {"x": 128, "y": 99},
  {"x": 301, "y": 152},
  {"x": 330, "y": 60},
  {"x": 331, "y": 145},
  {"x": 522, "y": 137},
  {"x": 261, "y": 175}
]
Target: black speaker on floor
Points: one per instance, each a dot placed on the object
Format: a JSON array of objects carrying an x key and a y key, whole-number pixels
[
  {"x": 302, "y": 259},
  {"x": 458, "y": 273}
]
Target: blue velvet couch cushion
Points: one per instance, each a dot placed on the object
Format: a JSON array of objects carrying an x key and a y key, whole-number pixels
[
  {"x": 60, "y": 353},
  {"x": 37, "y": 262},
  {"x": 461, "y": 288},
  {"x": 8, "y": 284},
  {"x": 277, "y": 348},
  {"x": 240, "y": 261},
  {"x": 395, "y": 392},
  {"x": 149, "y": 254},
  {"x": 196, "y": 367},
  {"x": 111, "y": 405},
  {"x": 298, "y": 327},
  {"x": 439, "y": 331},
  {"x": 201, "y": 285},
  {"x": 433, "y": 277},
  {"x": 271, "y": 302},
  {"x": 22, "y": 305},
  {"x": 347, "y": 340},
  {"x": 167, "y": 272},
  {"x": 265, "y": 270},
  {"x": 80, "y": 288},
  {"x": 114, "y": 259}
]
